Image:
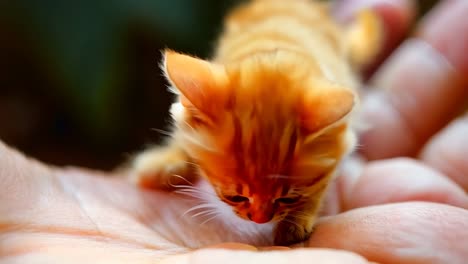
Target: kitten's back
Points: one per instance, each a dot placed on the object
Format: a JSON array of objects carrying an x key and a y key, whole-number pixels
[{"x": 298, "y": 26}]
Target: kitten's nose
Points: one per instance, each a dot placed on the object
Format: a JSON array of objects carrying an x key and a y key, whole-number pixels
[
  {"x": 261, "y": 210},
  {"x": 260, "y": 218}
]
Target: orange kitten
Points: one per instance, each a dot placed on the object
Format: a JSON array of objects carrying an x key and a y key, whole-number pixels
[{"x": 267, "y": 120}]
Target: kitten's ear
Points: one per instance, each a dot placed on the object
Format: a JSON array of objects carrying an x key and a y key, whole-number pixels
[
  {"x": 202, "y": 85},
  {"x": 325, "y": 104}
]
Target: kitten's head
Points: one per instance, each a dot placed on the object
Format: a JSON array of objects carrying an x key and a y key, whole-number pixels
[{"x": 266, "y": 132}]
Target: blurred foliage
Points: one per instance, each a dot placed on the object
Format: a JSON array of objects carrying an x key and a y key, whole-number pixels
[
  {"x": 86, "y": 69},
  {"x": 81, "y": 79},
  {"x": 82, "y": 42}
]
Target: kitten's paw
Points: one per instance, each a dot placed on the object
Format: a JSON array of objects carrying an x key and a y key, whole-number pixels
[
  {"x": 365, "y": 38},
  {"x": 160, "y": 168},
  {"x": 287, "y": 234}
]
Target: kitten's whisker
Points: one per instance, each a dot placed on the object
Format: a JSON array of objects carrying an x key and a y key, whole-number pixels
[
  {"x": 182, "y": 178},
  {"x": 190, "y": 126},
  {"x": 192, "y": 163},
  {"x": 188, "y": 191},
  {"x": 190, "y": 187},
  {"x": 171, "y": 88},
  {"x": 162, "y": 132},
  {"x": 191, "y": 191},
  {"x": 198, "y": 142},
  {"x": 209, "y": 219},
  {"x": 194, "y": 193},
  {"x": 205, "y": 213},
  {"x": 191, "y": 194},
  {"x": 200, "y": 206},
  {"x": 194, "y": 190}
]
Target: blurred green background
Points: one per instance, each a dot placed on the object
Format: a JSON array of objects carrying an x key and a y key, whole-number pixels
[{"x": 79, "y": 80}]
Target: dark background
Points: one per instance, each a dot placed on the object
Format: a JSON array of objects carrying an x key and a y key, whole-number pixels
[{"x": 79, "y": 80}]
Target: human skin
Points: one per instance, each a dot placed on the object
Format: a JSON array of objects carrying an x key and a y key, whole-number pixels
[{"x": 382, "y": 207}]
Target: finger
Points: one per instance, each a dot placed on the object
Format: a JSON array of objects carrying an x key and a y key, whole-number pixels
[
  {"x": 234, "y": 246},
  {"x": 332, "y": 201},
  {"x": 423, "y": 86},
  {"x": 298, "y": 256},
  {"x": 276, "y": 248},
  {"x": 434, "y": 30},
  {"x": 448, "y": 152},
  {"x": 405, "y": 233},
  {"x": 400, "y": 180},
  {"x": 396, "y": 17}
]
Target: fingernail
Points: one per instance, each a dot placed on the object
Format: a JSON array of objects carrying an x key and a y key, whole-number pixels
[
  {"x": 416, "y": 77},
  {"x": 446, "y": 29},
  {"x": 410, "y": 59}
]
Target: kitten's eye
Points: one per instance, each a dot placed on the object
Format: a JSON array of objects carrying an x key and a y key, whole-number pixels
[
  {"x": 287, "y": 200},
  {"x": 237, "y": 199}
]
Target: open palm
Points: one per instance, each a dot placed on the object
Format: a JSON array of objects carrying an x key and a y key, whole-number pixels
[
  {"x": 59, "y": 209},
  {"x": 72, "y": 215}
]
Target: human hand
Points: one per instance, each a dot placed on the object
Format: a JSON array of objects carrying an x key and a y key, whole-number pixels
[
  {"x": 68, "y": 215},
  {"x": 73, "y": 215},
  {"x": 416, "y": 92}
]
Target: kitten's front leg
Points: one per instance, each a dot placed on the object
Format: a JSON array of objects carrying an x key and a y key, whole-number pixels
[
  {"x": 162, "y": 168},
  {"x": 298, "y": 228},
  {"x": 293, "y": 230}
]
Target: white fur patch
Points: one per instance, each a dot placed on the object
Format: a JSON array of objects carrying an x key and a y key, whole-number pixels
[
  {"x": 261, "y": 234},
  {"x": 177, "y": 111}
]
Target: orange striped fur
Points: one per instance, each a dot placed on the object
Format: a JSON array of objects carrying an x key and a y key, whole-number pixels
[{"x": 267, "y": 120}]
